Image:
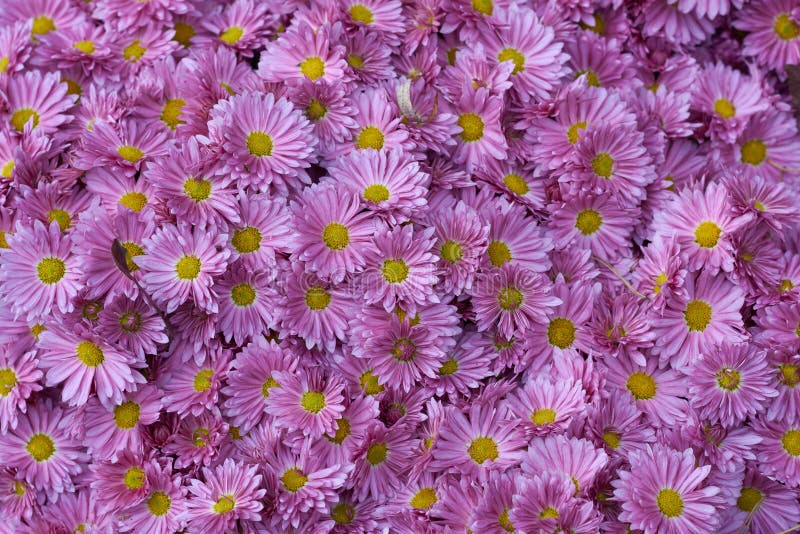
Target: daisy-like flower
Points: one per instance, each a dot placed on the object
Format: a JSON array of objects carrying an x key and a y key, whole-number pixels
[
  {"x": 473, "y": 69},
  {"x": 84, "y": 364},
  {"x": 118, "y": 429},
  {"x": 545, "y": 406},
  {"x": 664, "y": 492},
  {"x": 493, "y": 512},
  {"x": 475, "y": 443},
  {"x": 384, "y": 18},
  {"x": 265, "y": 139},
  {"x": 119, "y": 190},
  {"x": 314, "y": 309},
  {"x": 730, "y": 383},
  {"x": 473, "y": 18},
  {"x": 44, "y": 16},
  {"x": 381, "y": 461},
  {"x": 786, "y": 379},
  {"x": 38, "y": 263},
  {"x": 378, "y": 123},
  {"x": 387, "y": 181},
  {"x": 328, "y": 109},
  {"x": 42, "y": 452},
  {"x": 400, "y": 269},
  {"x": 463, "y": 370},
  {"x": 659, "y": 393},
  {"x": 19, "y": 378},
  {"x": 610, "y": 160},
  {"x": 310, "y": 402},
  {"x": 40, "y": 100},
  {"x": 707, "y": 313},
  {"x": 772, "y": 33},
  {"x": 247, "y": 305},
  {"x": 82, "y": 45},
  {"x": 661, "y": 272},
  {"x": 481, "y": 137},
  {"x": 303, "y": 53},
  {"x": 778, "y": 454},
  {"x": 134, "y": 324},
  {"x": 229, "y": 493},
  {"x": 764, "y": 504},
  {"x": 263, "y": 231},
  {"x": 618, "y": 425},
  {"x": 620, "y": 326},
  {"x": 598, "y": 62},
  {"x": 163, "y": 509},
  {"x": 531, "y": 47},
  {"x": 779, "y": 326},
  {"x": 49, "y": 202},
  {"x": 243, "y": 26},
  {"x": 119, "y": 484},
  {"x": 179, "y": 265},
  {"x": 461, "y": 238},
  {"x": 333, "y": 231},
  {"x": 702, "y": 221},
  {"x": 197, "y": 440},
  {"x": 546, "y": 502},
  {"x": 368, "y": 61},
  {"x": 517, "y": 183},
  {"x": 194, "y": 387},
  {"x": 514, "y": 238},
  {"x": 512, "y": 299},
  {"x": 599, "y": 224},
  {"x": 566, "y": 329},
  {"x": 576, "y": 458},
  {"x": 769, "y": 202},
  {"x": 125, "y": 146},
  {"x": 119, "y": 15}
]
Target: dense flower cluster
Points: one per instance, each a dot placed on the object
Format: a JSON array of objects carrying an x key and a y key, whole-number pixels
[{"x": 407, "y": 266}]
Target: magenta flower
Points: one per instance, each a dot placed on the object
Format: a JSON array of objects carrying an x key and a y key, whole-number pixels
[{"x": 308, "y": 402}]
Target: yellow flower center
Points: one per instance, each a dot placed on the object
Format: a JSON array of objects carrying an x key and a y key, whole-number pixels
[
  {"x": 471, "y": 126},
  {"x": 789, "y": 375},
  {"x": 37, "y": 329},
  {"x": 370, "y": 137},
  {"x": 42, "y": 25},
  {"x": 724, "y": 108},
  {"x": 707, "y": 234},
  {"x": 313, "y": 68},
  {"x": 51, "y": 270},
  {"x": 134, "y": 51},
  {"x": 87, "y": 47},
  {"x": 243, "y": 295},
  {"x": 785, "y": 27},
  {"x": 188, "y": 267},
  {"x": 335, "y": 236},
  {"x": 342, "y": 431},
  {"x": 132, "y": 249},
  {"x": 484, "y": 7},
  {"x": 599, "y": 26},
  {"x": 313, "y": 401},
  {"x": 514, "y": 55},
  {"x": 7, "y": 170},
  {"x": 611, "y": 439},
  {"x": 449, "y": 367},
  {"x": 21, "y": 117},
  {"x": 4, "y": 64},
  {"x": 126, "y": 415},
  {"x": 159, "y": 503},
  {"x": 543, "y": 416},
  {"x": 343, "y": 514},
  {"x": 268, "y": 385},
  {"x": 791, "y": 442},
  {"x": 171, "y": 112},
  {"x": 3, "y": 242},
  {"x": 749, "y": 498},
  {"x": 661, "y": 279},
  {"x": 561, "y": 332},
  {"x": 224, "y": 504},
  {"x": 19, "y": 488},
  {"x": 548, "y": 513},
  {"x": 641, "y": 385},
  {"x": 516, "y": 184},
  {"x": 8, "y": 381},
  {"x": 355, "y": 61},
  {"x": 198, "y": 437},
  {"x": 499, "y": 253},
  {"x": 316, "y": 110},
  {"x": 451, "y": 251},
  {"x": 130, "y": 153},
  {"x": 376, "y": 193},
  {"x": 592, "y": 79},
  {"x": 61, "y": 217},
  {"x": 134, "y": 200},
  {"x": 91, "y": 310},
  {"x": 588, "y": 221},
  {"x": 404, "y": 350},
  {"x": 361, "y": 13},
  {"x": 670, "y": 503},
  {"x": 130, "y": 321},
  {"x": 202, "y": 380},
  {"x": 41, "y": 447},
  {"x": 504, "y": 521},
  {"x": 510, "y": 298},
  {"x": 753, "y": 152},
  {"x": 728, "y": 379},
  {"x": 259, "y": 144},
  {"x": 394, "y": 271},
  {"x": 603, "y": 165},
  {"x": 183, "y": 34},
  {"x": 481, "y": 449},
  {"x": 232, "y": 35},
  {"x": 369, "y": 383},
  {"x": 423, "y": 499},
  {"x": 697, "y": 315},
  {"x": 317, "y": 298},
  {"x": 134, "y": 478},
  {"x": 73, "y": 88},
  {"x": 246, "y": 240},
  {"x": 89, "y": 354},
  {"x": 574, "y": 132},
  {"x": 376, "y": 454}
]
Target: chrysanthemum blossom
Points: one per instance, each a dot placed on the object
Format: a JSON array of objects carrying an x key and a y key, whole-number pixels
[
  {"x": 599, "y": 224},
  {"x": 39, "y": 100},
  {"x": 247, "y": 304},
  {"x": 544, "y": 406},
  {"x": 303, "y": 53},
  {"x": 576, "y": 458},
  {"x": 19, "y": 378},
  {"x": 481, "y": 137},
  {"x": 773, "y": 34},
  {"x": 309, "y": 402},
  {"x": 461, "y": 238},
  {"x": 381, "y": 460},
  {"x": 193, "y": 387},
  {"x": 163, "y": 509},
  {"x": 263, "y": 231}
]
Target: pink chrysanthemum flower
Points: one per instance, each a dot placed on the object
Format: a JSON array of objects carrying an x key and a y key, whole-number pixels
[
  {"x": 493, "y": 512},
  {"x": 478, "y": 442},
  {"x": 338, "y": 447},
  {"x": 120, "y": 15},
  {"x": 38, "y": 264},
  {"x": 621, "y": 327},
  {"x": 597, "y": 61},
  {"x": 619, "y": 427},
  {"x": 772, "y": 33},
  {"x": 456, "y": 506},
  {"x": 730, "y": 383},
  {"x": 786, "y": 379},
  {"x": 763, "y": 504},
  {"x": 247, "y": 305},
  {"x": 330, "y": 113},
  {"x": 266, "y": 141},
  {"x": 197, "y": 440},
  {"x": 179, "y": 265},
  {"x": 517, "y": 183},
  {"x": 778, "y": 453},
  {"x": 770, "y": 203},
  {"x": 659, "y": 393},
  {"x": 481, "y": 136},
  {"x": 703, "y": 223},
  {"x": 513, "y": 299},
  {"x": 243, "y": 25},
  {"x": 303, "y": 53},
  {"x": 566, "y": 330},
  {"x": 576, "y": 458},
  {"x": 19, "y": 378},
  {"x": 194, "y": 387},
  {"x": 314, "y": 309},
  {"x": 333, "y": 231},
  {"x": 15, "y": 46},
  {"x": 596, "y": 223},
  {"x": 610, "y": 160},
  {"x": 229, "y": 493},
  {"x": 514, "y": 238},
  {"x": 120, "y": 484},
  {"x": 84, "y": 364},
  {"x": 40, "y": 100},
  {"x": 368, "y": 60},
  {"x": 461, "y": 238},
  {"x": 544, "y": 406},
  {"x": 546, "y": 502},
  {"x": 383, "y": 18},
  {"x": 387, "y": 182},
  {"x": 779, "y": 326},
  {"x": 707, "y": 313},
  {"x": 163, "y": 509},
  {"x": 531, "y": 47},
  {"x": 473, "y": 19},
  {"x": 118, "y": 429},
  {"x": 381, "y": 461},
  {"x": 400, "y": 269},
  {"x": 44, "y": 454},
  {"x": 309, "y": 401},
  {"x": 134, "y": 324},
  {"x": 124, "y": 146},
  {"x": 463, "y": 370},
  {"x": 84, "y": 46},
  {"x": 44, "y": 16},
  {"x": 118, "y": 190},
  {"x": 660, "y": 273},
  {"x": 378, "y": 123},
  {"x": 143, "y": 47},
  {"x": 49, "y": 202},
  {"x": 473, "y": 69},
  {"x": 664, "y": 492}
]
